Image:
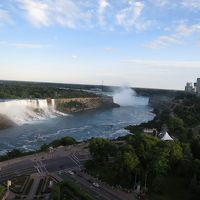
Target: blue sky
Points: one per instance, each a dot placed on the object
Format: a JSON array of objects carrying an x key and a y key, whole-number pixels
[{"x": 140, "y": 43}]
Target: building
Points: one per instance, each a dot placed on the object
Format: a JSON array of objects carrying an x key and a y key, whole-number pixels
[
  {"x": 152, "y": 131},
  {"x": 198, "y": 86},
  {"x": 189, "y": 87}
]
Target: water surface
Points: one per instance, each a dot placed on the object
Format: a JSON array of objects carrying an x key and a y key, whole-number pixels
[{"x": 108, "y": 123}]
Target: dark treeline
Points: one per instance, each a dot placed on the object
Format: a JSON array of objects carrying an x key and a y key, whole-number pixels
[
  {"x": 45, "y": 90},
  {"x": 21, "y": 90}
]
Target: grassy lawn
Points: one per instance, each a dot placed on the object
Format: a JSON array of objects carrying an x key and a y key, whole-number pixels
[
  {"x": 43, "y": 186},
  {"x": 18, "y": 183},
  {"x": 172, "y": 188}
]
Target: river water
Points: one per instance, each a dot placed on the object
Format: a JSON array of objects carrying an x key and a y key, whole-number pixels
[{"x": 107, "y": 123}]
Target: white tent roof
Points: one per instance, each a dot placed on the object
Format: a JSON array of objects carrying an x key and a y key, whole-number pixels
[{"x": 166, "y": 136}]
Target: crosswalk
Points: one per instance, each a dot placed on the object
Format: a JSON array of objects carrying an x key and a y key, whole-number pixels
[
  {"x": 37, "y": 165},
  {"x": 40, "y": 167},
  {"x": 74, "y": 158}
]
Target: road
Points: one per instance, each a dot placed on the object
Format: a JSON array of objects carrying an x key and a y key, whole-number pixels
[
  {"x": 61, "y": 160},
  {"x": 39, "y": 163},
  {"x": 100, "y": 193}
]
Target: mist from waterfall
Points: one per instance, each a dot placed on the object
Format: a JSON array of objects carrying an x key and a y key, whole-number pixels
[
  {"x": 28, "y": 110},
  {"x": 125, "y": 96}
]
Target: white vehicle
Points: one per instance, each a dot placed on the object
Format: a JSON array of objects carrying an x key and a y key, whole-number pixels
[
  {"x": 70, "y": 172},
  {"x": 95, "y": 184}
]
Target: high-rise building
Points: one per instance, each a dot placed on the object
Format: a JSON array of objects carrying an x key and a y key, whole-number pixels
[
  {"x": 198, "y": 86},
  {"x": 189, "y": 87}
]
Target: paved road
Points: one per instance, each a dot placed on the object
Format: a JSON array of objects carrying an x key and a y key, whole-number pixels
[
  {"x": 60, "y": 160},
  {"x": 27, "y": 167},
  {"x": 86, "y": 187},
  {"x": 100, "y": 193}
]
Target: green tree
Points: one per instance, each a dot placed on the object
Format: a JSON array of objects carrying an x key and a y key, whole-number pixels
[
  {"x": 55, "y": 192},
  {"x": 126, "y": 163},
  {"x": 175, "y": 152},
  {"x": 100, "y": 149},
  {"x": 125, "y": 166},
  {"x": 44, "y": 147},
  {"x": 67, "y": 141},
  {"x": 195, "y": 147}
]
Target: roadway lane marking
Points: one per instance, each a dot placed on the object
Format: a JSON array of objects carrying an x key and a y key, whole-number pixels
[{"x": 71, "y": 158}]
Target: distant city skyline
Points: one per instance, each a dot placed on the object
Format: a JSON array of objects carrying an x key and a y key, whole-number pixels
[{"x": 139, "y": 43}]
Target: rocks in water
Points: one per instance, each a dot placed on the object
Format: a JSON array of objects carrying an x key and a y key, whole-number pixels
[{"x": 5, "y": 122}]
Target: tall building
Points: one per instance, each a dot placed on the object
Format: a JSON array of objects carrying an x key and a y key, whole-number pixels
[
  {"x": 198, "y": 86},
  {"x": 189, "y": 87}
]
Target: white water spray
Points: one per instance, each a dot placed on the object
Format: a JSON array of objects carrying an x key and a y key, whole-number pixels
[
  {"x": 26, "y": 111},
  {"x": 127, "y": 97}
]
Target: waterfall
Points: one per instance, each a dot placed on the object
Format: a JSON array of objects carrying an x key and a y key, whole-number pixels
[{"x": 28, "y": 110}]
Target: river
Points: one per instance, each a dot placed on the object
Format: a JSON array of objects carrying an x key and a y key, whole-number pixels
[{"x": 107, "y": 123}]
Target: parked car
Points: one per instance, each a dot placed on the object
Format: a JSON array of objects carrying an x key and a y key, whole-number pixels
[
  {"x": 95, "y": 184},
  {"x": 70, "y": 172}
]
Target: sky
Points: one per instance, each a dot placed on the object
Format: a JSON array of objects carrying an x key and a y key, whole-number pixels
[{"x": 138, "y": 43}]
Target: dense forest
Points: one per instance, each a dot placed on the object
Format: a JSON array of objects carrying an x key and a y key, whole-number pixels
[
  {"x": 19, "y": 89},
  {"x": 22, "y": 90},
  {"x": 164, "y": 169}
]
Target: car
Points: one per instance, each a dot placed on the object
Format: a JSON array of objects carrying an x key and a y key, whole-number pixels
[
  {"x": 95, "y": 184},
  {"x": 70, "y": 172},
  {"x": 60, "y": 172}
]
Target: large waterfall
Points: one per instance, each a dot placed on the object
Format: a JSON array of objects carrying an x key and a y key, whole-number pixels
[{"x": 28, "y": 110}]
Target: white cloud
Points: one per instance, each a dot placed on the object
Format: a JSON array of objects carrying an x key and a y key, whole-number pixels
[
  {"x": 163, "y": 41},
  {"x": 47, "y": 12},
  {"x": 194, "y": 4},
  {"x": 129, "y": 17},
  {"x": 160, "y": 2},
  {"x": 5, "y": 17},
  {"x": 28, "y": 46},
  {"x": 74, "y": 56},
  {"x": 103, "y": 4},
  {"x": 166, "y": 4},
  {"x": 36, "y": 12},
  {"x": 24, "y": 45},
  {"x": 109, "y": 14},
  {"x": 182, "y": 30},
  {"x": 164, "y": 64},
  {"x": 109, "y": 49}
]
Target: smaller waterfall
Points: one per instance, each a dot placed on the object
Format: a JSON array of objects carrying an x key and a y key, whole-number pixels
[{"x": 28, "y": 110}]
